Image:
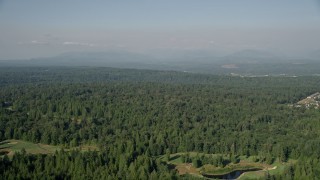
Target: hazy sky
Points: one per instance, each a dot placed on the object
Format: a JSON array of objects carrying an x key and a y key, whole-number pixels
[{"x": 35, "y": 28}]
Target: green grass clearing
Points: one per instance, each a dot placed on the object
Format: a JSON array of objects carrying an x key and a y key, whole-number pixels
[
  {"x": 245, "y": 163},
  {"x": 12, "y": 146}
]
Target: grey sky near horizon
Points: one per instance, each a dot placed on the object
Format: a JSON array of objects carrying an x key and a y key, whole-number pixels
[{"x": 41, "y": 28}]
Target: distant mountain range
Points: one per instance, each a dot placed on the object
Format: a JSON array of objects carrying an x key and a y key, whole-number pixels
[
  {"x": 250, "y": 55},
  {"x": 242, "y": 62}
]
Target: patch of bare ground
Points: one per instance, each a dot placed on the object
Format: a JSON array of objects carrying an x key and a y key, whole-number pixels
[{"x": 186, "y": 168}]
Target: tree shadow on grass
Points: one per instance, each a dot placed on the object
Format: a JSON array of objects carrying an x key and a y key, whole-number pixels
[
  {"x": 171, "y": 166},
  {"x": 174, "y": 157},
  {"x": 5, "y": 145},
  {"x": 4, "y": 153},
  {"x": 4, "y": 142}
]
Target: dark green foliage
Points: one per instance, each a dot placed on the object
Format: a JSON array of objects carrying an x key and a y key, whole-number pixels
[
  {"x": 167, "y": 156},
  {"x": 196, "y": 162},
  {"x": 134, "y": 116},
  {"x": 77, "y": 165},
  {"x": 234, "y": 159}
]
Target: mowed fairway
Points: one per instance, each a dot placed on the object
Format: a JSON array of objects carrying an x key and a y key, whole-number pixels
[
  {"x": 183, "y": 169},
  {"x": 9, "y": 147}
]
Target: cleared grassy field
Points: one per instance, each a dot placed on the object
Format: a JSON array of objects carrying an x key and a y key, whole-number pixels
[
  {"x": 11, "y": 146},
  {"x": 245, "y": 163}
]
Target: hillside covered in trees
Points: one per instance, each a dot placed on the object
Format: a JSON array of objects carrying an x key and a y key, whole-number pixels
[{"x": 136, "y": 116}]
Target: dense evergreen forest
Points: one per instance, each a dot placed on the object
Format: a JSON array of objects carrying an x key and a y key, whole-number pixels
[{"x": 134, "y": 116}]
